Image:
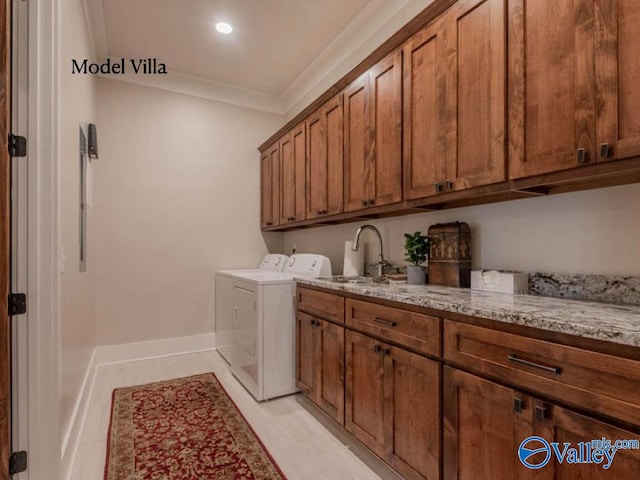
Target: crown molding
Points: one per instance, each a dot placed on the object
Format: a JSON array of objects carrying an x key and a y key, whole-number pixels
[
  {"x": 378, "y": 21},
  {"x": 206, "y": 89},
  {"x": 94, "y": 19}
]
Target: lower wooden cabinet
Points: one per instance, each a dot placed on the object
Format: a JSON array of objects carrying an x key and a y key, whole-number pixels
[
  {"x": 482, "y": 430},
  {"x": 320, "y": 364},
  {"x": 393, "y": 405},
  {"x": 486, "y": 423}
]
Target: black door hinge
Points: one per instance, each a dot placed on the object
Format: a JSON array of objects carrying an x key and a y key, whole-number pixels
[
  {"x": 17, "y": 304},
  {"x": 17, "y": 462},
  {"x": 17, "y": 145}
]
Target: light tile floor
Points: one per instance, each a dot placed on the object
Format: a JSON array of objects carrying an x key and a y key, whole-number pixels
[{"x": 299, "y": 443}]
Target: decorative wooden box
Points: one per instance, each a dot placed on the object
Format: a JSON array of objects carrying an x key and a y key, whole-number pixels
[{"x": 450, "y": 254}]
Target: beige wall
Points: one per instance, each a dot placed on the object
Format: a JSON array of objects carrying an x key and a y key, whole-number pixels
[
  {"x": 177, "y": 198},
  {"x": 77, "y": 105},
  {"x": 592, "y": 232}
]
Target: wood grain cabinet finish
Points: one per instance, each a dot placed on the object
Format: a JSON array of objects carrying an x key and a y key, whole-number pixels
[
  {"x": 481, "y": 428},
  {"x": 424, "y": 112},
  {"x": 590, "y": 380},
  {"x": 270, "y": 187},
  {"x": 384, "y": 387},
  {"x": 476, "y": 82},
  {"x": 415, "y": 331},
  {"x": 484, "y": 424},
  {"x": 574, "y": 66},
  {"x": 617, "y": 63},
  {"x": 320, "y": 364},
  {"x": 373, "y": 136},
  {"x": 321, "y": 304},
  {"x": 293, "y": 158},
  {"x": 556, "y": 424},
  {"x": 324, "y": 176}
]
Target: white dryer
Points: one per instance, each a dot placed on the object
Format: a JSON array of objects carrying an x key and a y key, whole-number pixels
[{"x": 255, "y": 323}]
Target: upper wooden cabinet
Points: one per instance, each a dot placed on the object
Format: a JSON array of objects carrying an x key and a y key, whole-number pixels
[
  {"x": 491, "y": 100},
  {"x": 325, "y": 160},
  {"x": 476, "y": 83},
  {"x": 454, "y": 106},
  {"x": 425, "y": 110},
  {"x": 373, "y": 136},
  {"x": 270, "y": 186},
  {"x": 293, "y": 160},
  {"x": 574, "y": 70},
  {"x": 617, "y": 77}
]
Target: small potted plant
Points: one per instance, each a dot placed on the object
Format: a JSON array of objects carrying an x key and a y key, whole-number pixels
[{"x": 417, "y": 247}]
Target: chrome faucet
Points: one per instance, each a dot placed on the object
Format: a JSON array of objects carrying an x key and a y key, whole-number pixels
[{"x": 356, "y": 245}]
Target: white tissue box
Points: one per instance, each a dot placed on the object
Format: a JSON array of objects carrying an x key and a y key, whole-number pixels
[{"x": 500, "y": 282}]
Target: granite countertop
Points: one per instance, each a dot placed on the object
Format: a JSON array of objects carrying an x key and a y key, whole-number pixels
[{"x": 601, "y": 321}]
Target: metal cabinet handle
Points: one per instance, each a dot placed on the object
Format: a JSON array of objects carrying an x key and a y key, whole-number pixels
[
  {"x": 371, "y": 201},
  {"x": 449, "y": 184},
  {"x": 583, "y": 155},
  {"x": 377, "y": 348},
  {"x": 386, "y": 351},
  {"x": 541, "y": 412},
  {"x": 518, "y": 404},
  {"x": 605, "y": 150},
  {"x": 365, "y": 203},
  {"x": 438, "y": 187},
  {"x": 516, "y": 359},
  {"x": 388, "y": 323}
]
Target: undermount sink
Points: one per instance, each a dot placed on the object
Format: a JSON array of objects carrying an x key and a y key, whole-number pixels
[{"x": 358, "y": 280}]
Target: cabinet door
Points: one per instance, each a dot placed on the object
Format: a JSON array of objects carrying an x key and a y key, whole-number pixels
[
  {"x": 385, "y": 137},
  {"x": 357, "y": 140},
  {"x": 330, "y": 391},
  {"x": 412, "y": 414},
  {"x": 325, "y": 160},
  {"x": 306, "y": 354},
  {"x": 551, "y": 86},
  {"x": 266, "y": 187},
  {"x": 564, "y": 426},
  {"x": 287, "y": 179},
  {"x": 482, "y": 430},
  {"x": 274, "y": 160},
  {"x": 617, "y": 76},
  {"x": 476, "y": 82},
  {"x": 424, "y": 122},
  {"x": 292, "y": 175},
  {"x": 365, "y": 390},
  {"x": 299, "y": 140}
]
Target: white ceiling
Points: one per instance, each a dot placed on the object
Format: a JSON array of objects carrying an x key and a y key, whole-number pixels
[
  {"x": 282, "y": 55},
  {"x": 272, "y": 43}
]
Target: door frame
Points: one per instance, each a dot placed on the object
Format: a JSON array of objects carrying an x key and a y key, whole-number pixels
[{"x": 36, "y": 116}]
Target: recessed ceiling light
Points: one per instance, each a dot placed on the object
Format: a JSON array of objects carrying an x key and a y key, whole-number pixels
[{"x": 224, "y": 27}]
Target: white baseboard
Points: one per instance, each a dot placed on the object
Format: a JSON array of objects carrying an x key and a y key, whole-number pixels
[
  {"x": 76, "y": 422},
  {"x": 166, "y": 347},
  {"x": 110, "y": 354}
]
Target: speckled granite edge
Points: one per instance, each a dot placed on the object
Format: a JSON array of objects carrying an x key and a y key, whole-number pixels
[
  {"x": 596, "y": 288},
  {"x": 600, "y": 321}
]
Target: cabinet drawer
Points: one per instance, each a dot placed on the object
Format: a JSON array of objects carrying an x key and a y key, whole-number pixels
[
  {"x": 416, "y": 331},
  {"x": 595, "y": 381},
  {"x": 321, "y": 304}
]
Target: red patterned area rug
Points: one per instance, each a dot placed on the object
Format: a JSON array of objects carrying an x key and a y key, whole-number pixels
[{"x": 183, "y": 429}]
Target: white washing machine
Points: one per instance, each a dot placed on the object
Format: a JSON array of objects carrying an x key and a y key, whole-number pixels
[{"x": 255, "y": 323}]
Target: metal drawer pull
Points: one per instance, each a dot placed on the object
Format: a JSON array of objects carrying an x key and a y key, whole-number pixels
[
  {"x": 518, "y": 405},
  {"x": 556, "y": 370},
  {"x": 541, "y": 413},
  {"x": 384, "y": 322}
]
